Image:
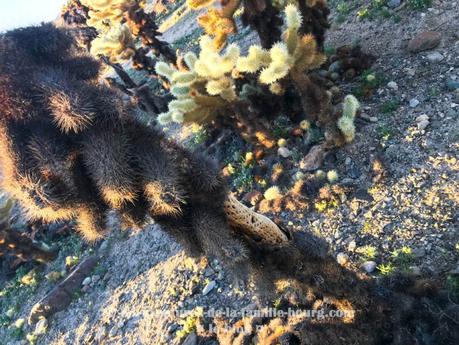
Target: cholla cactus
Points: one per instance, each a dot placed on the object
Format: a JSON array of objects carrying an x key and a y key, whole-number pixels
[
  {"x": 208, "y": 83},
  {"x": 295, "y": 55},
  {"x": 314, "y": 14},
  {"x": 346, "y": 121},
  {"x": 214, "y": 23},
  {"x": 117, "y": 44},
  {"x": 119, "y": 22},
  {"x": 263, "y": 16},
  {"x": 204, "y": 87},
  {"x": 110, "y": 162},
  {"x": 103, "y": 13}
]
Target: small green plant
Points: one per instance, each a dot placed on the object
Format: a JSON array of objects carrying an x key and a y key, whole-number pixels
[
  {"x": 390, "y": 106},
  {"x": 369, "y": 82},
  {"x": 324, "y": 205},
  {"x": 368, "y": 252},
  {"x": 419, "y": 4},
  {"x": 386, "y": 269},
  {"x": 403, "y": 257},
  {"x": 367, "y": 227},
  {"x": 384, "y": 132},
  {"x": 189, "y": 324},
  {"x": 452, "y": 286},
  {"x": 375, "y": 9},
  {"x": 329, "y": 49}
]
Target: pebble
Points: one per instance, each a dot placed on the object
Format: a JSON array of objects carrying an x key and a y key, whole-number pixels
[
  {"x": 415, "y": 270},
  {"x": 104, "y": 246},
  {"x": 41, "y": 327},
  {"x": 394, "y": 3},
  {"x": 86, "y": 281},
  {"x": 101, "y": 334},
  {"x": 452, "y": 85},
  {"x": 414, "y": 103},
  {"x": 95, "y": 278},
  {"x": 334, "y": 76},
  {"x": 424, "y": 41},
  {"x": 209, "y": 287},
  {"x": 191, "y": 339},
  {"x": 369, "y": 266},
  {"x": 335, "y": 67},
  {"x": 435, "y": 57},
  {"x": 172, "y": 328},
  {"x": 284, "y": 152},
  {"x": 351, "y": 246},
  {"x": 342, "y": 258},
  {"x": 392, "y": 85},
  {"x": 422, "y": 122}
]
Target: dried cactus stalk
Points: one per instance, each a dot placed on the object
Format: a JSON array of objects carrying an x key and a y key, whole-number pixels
[{"x": 251, "y": 223}]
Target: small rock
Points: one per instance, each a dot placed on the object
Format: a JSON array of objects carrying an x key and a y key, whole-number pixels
[
  {"x": 191, "y": 339},
  {"x": 410, "y": 71},
  {"x": 342, "y": 258},
  {"x": 335, "y": 67},
  {"x": 95, "y": 278},
  {"x": 208, "y": 272},
  {"x": 424, "y": 41},
  {"x": 414, "y": 103},
  {"x": 209, "y": 287},
  {"x": 392, "y": 85},
  {"x": 113, "y": 331},
  {"x": 41, "y": 327},
  {"x": 434, "y": 57},
  {"x": 334, "y": 76},
  {"x": 422, "y": 122},
  {"x": 351, "y": 246},
  {"x": 284, "y": 152},
  {"x": 422, "y": 117},
  {"x": 313, "y": 160},
  {"x": 172, "y": 328},
  {"x": 394, "y": 3},
  {"x": 369, "y": 266},
  {"x": 373, "y": 119},
  {"x": 452, "y": 85},
  {"x": 415, "y": 270},
  {"x": 86, "y": 281},
  {"x": 104, "y": 246},
  {"x": 101, "y": 334},
  {"x": 419, "y": 252},
  {"x": 323, "y": 73},
  {"x": 423, "y": 125}
]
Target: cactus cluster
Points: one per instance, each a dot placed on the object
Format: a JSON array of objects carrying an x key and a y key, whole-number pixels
[
  {"x": 71, "y": 149},
  {"x": 263, "y": 16},
  {"x": 207, "y": 83},
  {"x": 119, "y": 23},
  {"x": 203, "y": 86}
]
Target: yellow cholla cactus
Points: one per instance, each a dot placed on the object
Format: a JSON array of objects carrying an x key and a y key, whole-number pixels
[
  {"x": 272, "y": 193},
  {"x": 294, "y": 54},
  {"x": 117, "y": 43},
  {"x": 105, "y": 12},
  {"x": 346, "y": 121},
  {"x": 204, "y": 87},
  {"x": 218, "y": 26},
  {"x": 198, "y": 4}
]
